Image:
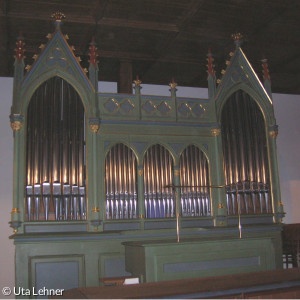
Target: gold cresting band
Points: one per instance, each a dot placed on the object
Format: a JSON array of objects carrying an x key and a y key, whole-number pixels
[
  {"x": 273, "y": 134},
  {"x": 94, "y": 127},
  {"x": 220, "y": 205},
  {"x": 15, "y": 211},
  {"x": 16, "y": 125},
  {"x": 215, "y": 131},
  {"x": 95, "y": 209}
]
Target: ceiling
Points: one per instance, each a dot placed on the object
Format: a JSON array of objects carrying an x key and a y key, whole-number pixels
[{"x": 162, "y": 38}]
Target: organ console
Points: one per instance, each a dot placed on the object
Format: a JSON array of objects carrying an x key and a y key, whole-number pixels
[{"x": 108, "y": 180}]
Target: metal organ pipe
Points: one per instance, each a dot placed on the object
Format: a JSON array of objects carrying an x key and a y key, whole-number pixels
[
  {"x": 55, "y": 154},
  {"x": 120, "y": 183},
  {"x": 245, "y": 156},
  {"x": 158, "y": 173},
  {"x": 195, "y": 196}
]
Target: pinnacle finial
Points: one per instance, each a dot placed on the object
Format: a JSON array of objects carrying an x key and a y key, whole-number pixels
[
  {"x": 210, "y": 65},
  {"x": 237, "y": 37},
  {"x": 265, "y": 70},
  {"x": 93, "y": 52},
  {"x": 20, "y": 49},
  {"x": 137, "y": 81},
  {"x": 173, "y": 84},
  {"x": 58, "y": 18}
]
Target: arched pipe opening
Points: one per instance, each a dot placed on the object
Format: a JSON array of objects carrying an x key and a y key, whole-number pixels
[{"x": 55, "y": 154}]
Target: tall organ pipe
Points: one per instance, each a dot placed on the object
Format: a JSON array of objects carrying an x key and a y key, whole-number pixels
[
  {"x": 55, "y": 153},
  {"x": 245, "y": 155}
]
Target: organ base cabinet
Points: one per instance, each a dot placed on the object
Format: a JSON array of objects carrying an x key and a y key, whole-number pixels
[{"x": 108, "y": 185}]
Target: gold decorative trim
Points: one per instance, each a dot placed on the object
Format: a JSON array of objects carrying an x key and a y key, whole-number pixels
[
  {"x": 95, "y": 209},
  {"x": 176, "y": 172},
  {"x": 15, "y": 211},
  {"x": 273, "y": 134},
  {"x": 94, "y": 128},
  {"x": 16, "y": 125},
  {"x": 221, "y": 205},
  {"x": 215, "y": 131},
  {"x": 142, "y": 216},
  {"x": 280, "y": 204},
  {"x": 140, "y": 171}
]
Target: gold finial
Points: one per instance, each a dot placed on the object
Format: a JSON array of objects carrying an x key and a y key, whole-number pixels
[
  {"x": 173, "y": 84},
  {"x": 220, "y": 205},
  {"x": 72, "y": 48},
  {"x": 219, "y": 81},
  {"x": 27, "y": 68},
  {"x": 58, "y": 16},
  {"x": 223, "y": 72},
  {"x": 35, "y": 56},
  {"x": 231, "y": 53},
  {"x": 227, "y": 62},
  {"x": 140, "y": 171},
  {"x": 85, "y": 70},
  {"x": 237, "y": 36},
  {"x": 66, "y": 37},
  {"x": 42, "y": 46},
  {"x": 49, "y": 36},
  {"x": 78, "y": 58},
  {"x": 137, "y": 81}
]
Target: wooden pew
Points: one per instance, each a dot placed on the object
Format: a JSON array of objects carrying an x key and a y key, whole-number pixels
[{"x": 256, "y": 285}]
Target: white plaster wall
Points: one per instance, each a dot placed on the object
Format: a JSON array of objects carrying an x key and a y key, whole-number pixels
[
  {"x": 287, "y": 109},
  {"x": 6, "y": 165}
]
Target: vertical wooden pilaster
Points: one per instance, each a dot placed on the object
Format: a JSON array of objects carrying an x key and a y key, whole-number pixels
[
  {"x": 217, "y": 177},
  {"x": 276, "y": 195},
  {"x": 141, "y": 202},
  {"x": 177, "y": 193}
]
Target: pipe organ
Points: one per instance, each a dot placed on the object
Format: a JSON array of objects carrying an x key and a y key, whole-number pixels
[{"x": 108, "y": 181}]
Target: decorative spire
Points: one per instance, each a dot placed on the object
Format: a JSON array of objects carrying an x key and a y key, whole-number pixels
[
  {"x": 20, "y": 49},
  {"x": 211, "y": 76},
  {"x": 173, "y": 84},
  {"x": 265, "y": 70},
  {"x": 137, "y": 81},
  {"x": 210, "y": 65},
  {"x": 267, "y": 78},
  {"x": 93, "y": 52},
  {"x": 58, "y": 18},
  {"x": 237, "y": 37}
]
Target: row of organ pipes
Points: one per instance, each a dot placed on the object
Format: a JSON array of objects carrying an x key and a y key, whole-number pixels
[
  {"x": 56, "y": 190},
  {"x": 245, "y": 156}
]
